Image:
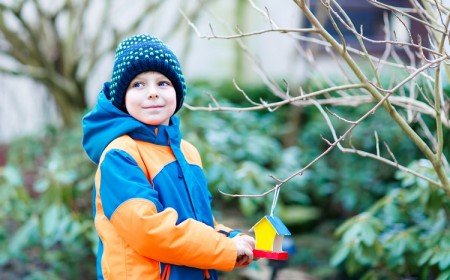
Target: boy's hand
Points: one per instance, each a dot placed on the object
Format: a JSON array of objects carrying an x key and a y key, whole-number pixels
[{"x": 244, "y": 245}]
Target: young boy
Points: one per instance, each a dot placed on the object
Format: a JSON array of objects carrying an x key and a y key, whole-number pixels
[{"x": 150, "y": 199}]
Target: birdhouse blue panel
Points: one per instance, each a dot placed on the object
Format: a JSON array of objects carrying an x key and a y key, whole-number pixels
[{"x": 278, "y": 225}]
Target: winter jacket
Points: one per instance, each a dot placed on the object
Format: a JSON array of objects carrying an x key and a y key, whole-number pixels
[{"x": 151, "y": 201}]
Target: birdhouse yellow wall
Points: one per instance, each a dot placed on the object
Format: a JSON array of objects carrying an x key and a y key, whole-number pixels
[{"x": 265, "y": 235}]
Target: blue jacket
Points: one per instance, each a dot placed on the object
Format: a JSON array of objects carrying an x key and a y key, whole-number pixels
[{"x": 151, "y": 201}]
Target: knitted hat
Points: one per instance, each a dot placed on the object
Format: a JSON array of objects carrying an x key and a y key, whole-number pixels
[{"x": 142, "y": 53}]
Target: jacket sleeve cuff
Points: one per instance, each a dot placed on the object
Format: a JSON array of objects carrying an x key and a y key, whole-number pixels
[
  {"x": 234, "y": 233},
  {"x": 230, "y": 234}
]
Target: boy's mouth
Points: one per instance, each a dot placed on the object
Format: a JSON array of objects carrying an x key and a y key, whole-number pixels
[{"x": 153, "y": 106}]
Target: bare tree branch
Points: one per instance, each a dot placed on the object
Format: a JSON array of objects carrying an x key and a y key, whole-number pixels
[
  {"x": 241, "y": 34},
  {"x": 373, "y": 156},
  {"x": 438, "y": 98},
  {"x": 428, "y": 153},
  {"x": 291, "y": 100},
  {"x": 406, "y": 14},
  {"x": 331, "y": 147},
  {"x": 404, "y": 88}
]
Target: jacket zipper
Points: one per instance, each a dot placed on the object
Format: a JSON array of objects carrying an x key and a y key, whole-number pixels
[{"x": 185, "y": 181}]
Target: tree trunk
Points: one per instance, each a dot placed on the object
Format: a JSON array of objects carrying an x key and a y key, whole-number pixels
[{"x": 69, "y": 108}]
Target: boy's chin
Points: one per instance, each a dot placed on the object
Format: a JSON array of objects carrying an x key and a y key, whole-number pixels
[{"x": 155, "y": 122}]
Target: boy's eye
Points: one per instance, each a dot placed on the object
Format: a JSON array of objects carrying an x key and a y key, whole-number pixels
[
  {"x": 137, "y": 84},
  {"x": 164, "y": 83}
]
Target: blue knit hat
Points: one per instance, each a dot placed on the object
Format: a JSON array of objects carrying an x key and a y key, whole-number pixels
[{"x": 142, "y": 53}]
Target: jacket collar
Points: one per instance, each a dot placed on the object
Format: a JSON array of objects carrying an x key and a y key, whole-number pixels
[{"x": 166, "y": 135}]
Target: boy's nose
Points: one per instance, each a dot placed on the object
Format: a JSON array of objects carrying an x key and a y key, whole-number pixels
[{"x": 152, "y": 93}]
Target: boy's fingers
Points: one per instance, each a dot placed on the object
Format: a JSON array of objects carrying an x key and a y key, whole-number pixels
[
  {"x": 249, "y": 252},
  {"x": 246, "y": 252},
  {"x": 250, "y": 240},
  {"x": 252, "y": 243},
  {"x": 245, "y": 245},
  {"x": 244, "y": 261}
]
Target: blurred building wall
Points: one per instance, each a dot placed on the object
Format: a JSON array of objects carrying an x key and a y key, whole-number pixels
[{"x": 26, "y": 108}]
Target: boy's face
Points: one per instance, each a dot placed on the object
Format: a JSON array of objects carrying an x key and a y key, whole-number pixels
[{"x": 151, "y": 98}]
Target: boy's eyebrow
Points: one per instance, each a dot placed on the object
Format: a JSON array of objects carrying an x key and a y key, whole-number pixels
[{"x": 138, "y": 79}]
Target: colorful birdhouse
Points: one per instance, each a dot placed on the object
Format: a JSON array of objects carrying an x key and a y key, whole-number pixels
[{"x": 269, "y": 233}]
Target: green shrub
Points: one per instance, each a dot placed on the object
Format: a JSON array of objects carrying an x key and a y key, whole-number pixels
[
  {"x": 46, "y": 227},
  {"x": 404, "y": 234}
]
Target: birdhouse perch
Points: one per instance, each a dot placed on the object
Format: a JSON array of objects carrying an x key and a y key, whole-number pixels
[{"x": 269, "y": 233}]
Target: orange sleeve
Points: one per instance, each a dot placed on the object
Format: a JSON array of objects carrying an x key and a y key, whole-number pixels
[
  {"x": 156, "y": 235},
  {"x": 221, "y": 227}
]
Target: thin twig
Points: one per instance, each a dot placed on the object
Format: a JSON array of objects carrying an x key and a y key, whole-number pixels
[
  {"x": 377, "y": 143},
  {"x": 390, "y": 153},
  {"x": 339, "y": 117}
]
